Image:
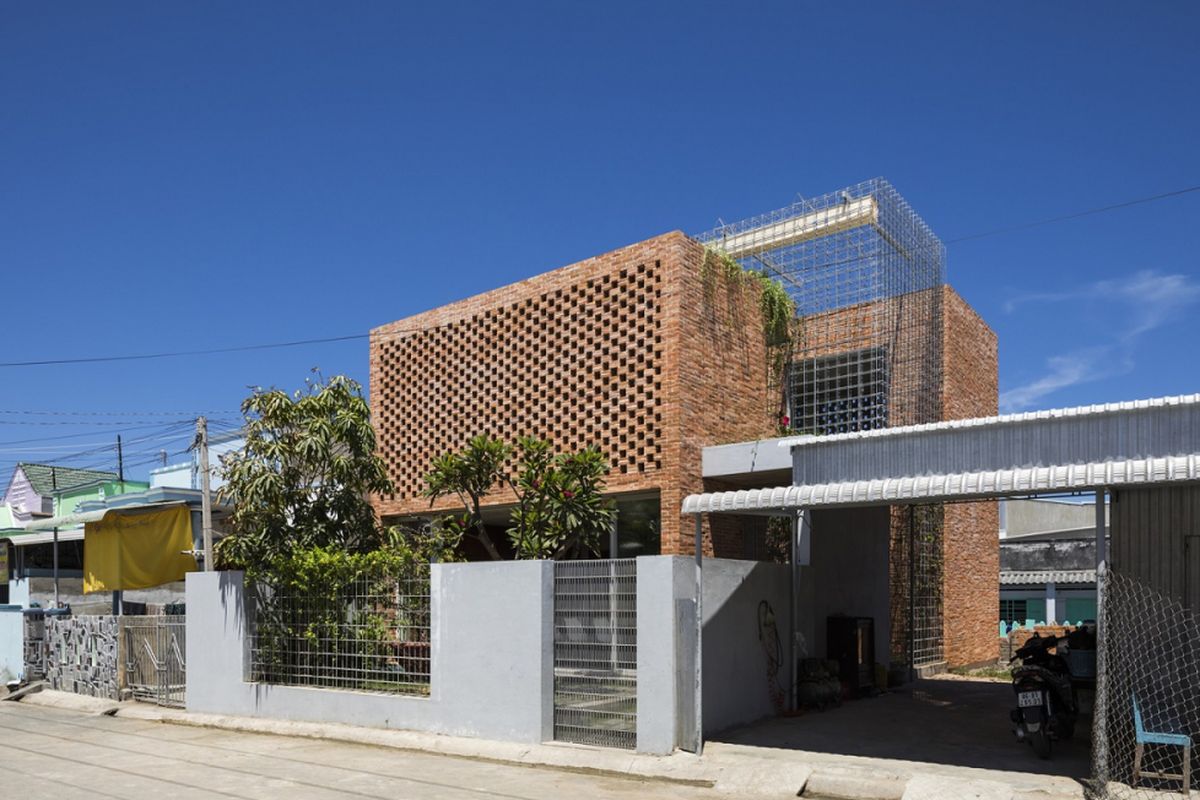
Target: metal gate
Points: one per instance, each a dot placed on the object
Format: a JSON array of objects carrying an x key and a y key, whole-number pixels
[
  {"x": 155, "y": 669},
  {"x": 595, "y": 652}
]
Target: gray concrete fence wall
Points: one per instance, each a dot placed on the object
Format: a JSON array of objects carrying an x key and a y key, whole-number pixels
[
  {"x": 492, "y": 670},
  {"x": 492, "y": 658},
  {"x": 737, "y": 686}
]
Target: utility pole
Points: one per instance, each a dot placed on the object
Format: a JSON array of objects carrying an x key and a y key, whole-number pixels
[
  {"x": 54, "y": 488},
  {"x": 205, "y": 497},
  {"x": 120, "y": 464}
]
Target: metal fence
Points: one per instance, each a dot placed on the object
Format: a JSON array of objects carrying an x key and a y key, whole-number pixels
[
  {"x": 155, "y": 663},
  {"x": 34, "y": 645},
  {"x": 595, "y": 652},
  {"x": 1147, "y": 712},
  {"x": 371, "y": 634}
]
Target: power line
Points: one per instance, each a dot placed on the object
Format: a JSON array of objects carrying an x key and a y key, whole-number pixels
[
  {"x": 218, "y": 414},
  {"x": 1075, "y": 215},
  {"x": 361, "y": 336},
  {"x": 178, "y": 353}
]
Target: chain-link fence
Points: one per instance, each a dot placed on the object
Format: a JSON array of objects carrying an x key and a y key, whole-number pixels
[
  {"x": 370, "y": 634},
  {"x": 595, "y": 652},
  {"x": 1147, "y": 713}
]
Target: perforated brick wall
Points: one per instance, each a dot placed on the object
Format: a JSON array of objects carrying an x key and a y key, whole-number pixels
[
  {"x": 579, "y": 364},
  {"x": 633, "y": 351}
]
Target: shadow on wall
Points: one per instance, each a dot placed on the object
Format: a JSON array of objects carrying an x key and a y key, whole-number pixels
[{"x": 747, "y": 653}]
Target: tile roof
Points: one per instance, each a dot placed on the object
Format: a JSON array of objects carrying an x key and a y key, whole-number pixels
[
  {"x": 45, "y": 477},
  {"x": 1020, "y": 577}
]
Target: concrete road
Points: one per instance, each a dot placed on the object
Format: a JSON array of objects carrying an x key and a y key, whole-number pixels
[{"x": 52, "y": 754}]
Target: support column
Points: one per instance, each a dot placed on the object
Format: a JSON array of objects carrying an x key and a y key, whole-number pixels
[
  {"x": 699, "y": 706},
  {"x": 1051, "y": 604}
]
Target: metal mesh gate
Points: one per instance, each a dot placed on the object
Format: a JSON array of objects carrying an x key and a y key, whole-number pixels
[
  {"x": 1147, "y": 712},
  {"x": 155, "y": 667},
  {"x": 595, "y": 652}
]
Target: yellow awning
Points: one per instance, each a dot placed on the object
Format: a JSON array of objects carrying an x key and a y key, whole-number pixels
[{"x": 137, "y": 550}]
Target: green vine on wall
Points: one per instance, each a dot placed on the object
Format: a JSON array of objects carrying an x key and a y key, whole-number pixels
[{"x": 778, "y": 310}]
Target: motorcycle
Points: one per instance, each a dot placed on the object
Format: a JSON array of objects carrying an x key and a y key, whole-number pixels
[{"x": 1046, "y": 705}]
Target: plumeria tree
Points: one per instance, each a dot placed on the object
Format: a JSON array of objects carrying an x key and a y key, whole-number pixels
[{"x": 559, "y": 510}]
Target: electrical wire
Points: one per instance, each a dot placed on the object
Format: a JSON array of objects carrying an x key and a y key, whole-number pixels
[
  {"x": 1075, "y": 215},
  {"x": 401, "y": 332}
]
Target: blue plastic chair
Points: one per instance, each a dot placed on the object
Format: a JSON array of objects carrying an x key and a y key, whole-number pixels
[{"x": 1171, "y": 739}]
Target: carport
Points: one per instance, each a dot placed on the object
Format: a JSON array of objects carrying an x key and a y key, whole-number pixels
[{"x": 1145, "y": 455}]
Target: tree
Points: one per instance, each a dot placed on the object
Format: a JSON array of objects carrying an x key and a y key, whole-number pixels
[
  {"x": 303, "y": 477},
  {"x": 559, "y": 513},
  {"x": 469, "y": 475}
]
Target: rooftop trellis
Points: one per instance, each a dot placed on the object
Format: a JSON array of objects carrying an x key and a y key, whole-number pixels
[{"x": 863, "y": 269}]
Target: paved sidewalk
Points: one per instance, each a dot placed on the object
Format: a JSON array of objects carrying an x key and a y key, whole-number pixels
[{"x": 730, "y": 769}]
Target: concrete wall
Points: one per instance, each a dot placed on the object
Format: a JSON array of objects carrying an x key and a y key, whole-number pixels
[
  {"x": 736, "y": 688},
  {"x": 1030, "y": 515},
  {"x": 12, "y": 641},
  {"x": 849, "y": 574},
  {"x": 492, "y": 668},
  {"x": 666, "y": 618}
]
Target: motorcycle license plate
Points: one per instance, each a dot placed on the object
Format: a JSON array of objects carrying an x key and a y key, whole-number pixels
[{"x": 1029, "y": 699}]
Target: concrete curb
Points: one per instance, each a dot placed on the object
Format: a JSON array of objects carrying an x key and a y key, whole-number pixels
[
  {"x": 743, "y": 776},
  {"x": 724, "y": 768}
]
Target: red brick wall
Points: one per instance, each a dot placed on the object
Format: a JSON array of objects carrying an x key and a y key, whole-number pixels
[
  {"x": 721, "y": 391},
  {"x": 970, "y": 540},
  {"x": 575, "y": 356},
  {"x": 640, "y": 351}
]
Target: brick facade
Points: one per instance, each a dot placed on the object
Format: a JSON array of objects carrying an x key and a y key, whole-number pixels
[
  {"x": 640, "y": 351},
  {"x": 970, "y": 541},
  {"x": 652, "y": 357}
]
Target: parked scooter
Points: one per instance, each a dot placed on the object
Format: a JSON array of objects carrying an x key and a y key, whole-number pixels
[{"x": 1046, "y": 707}]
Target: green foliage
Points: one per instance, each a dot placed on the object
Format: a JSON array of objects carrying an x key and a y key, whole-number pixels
[
  {"x": 778, "y": 310},
  {"x": 354, "y": 614},
  {"x": 468, "y": 475},
  {"x": 426, "y": 542},
  {"x": 559, "y": 511},
  {"x": 303, "y": 477}
]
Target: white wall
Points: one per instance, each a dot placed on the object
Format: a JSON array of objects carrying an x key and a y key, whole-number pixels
[{"x": 12, "y": 645}]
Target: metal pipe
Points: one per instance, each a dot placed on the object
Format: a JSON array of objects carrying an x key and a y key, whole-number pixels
[{"x": 699, "y": 696}]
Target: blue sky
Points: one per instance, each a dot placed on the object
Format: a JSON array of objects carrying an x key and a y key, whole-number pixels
[{"x": 185, "y": 176}]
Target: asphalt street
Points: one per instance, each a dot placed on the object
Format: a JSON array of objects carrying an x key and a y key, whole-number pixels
[{"x": 54, "y": 754}]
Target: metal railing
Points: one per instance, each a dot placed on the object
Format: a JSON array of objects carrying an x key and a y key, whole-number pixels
[
  {"x": 595, "y": 652},
  {"x": 369, "y": 635},
  {"x": 155, "y": 659}
]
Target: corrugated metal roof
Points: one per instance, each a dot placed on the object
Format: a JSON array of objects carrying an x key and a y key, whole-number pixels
[
  {"x": 43, "y": 537},
  {"x": 1056, "y": 576},
  {"x": 930, "y": 488},
  {"x": 1003, "y": 419},
  {"x": 81, "y": 517}
]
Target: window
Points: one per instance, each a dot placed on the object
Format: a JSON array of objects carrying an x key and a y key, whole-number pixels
[
  {"x": 1013, "y": 611},
  {"x": 840, "y": 393}
]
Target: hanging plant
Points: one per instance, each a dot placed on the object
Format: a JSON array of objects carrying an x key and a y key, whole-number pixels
[{"x": 778, "y": 311}]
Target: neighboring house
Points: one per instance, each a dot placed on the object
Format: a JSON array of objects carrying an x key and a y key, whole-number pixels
[
  {"x": 1047, "y": 563},
  {"x": 31, "y": 489},
  {"x": 31, "y": 557},
  {"x": 656, "y": 351},
  {"x": 29, "y": 497}
]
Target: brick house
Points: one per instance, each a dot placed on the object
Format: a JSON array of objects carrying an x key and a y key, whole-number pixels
[{"x": 652, "y": 355}]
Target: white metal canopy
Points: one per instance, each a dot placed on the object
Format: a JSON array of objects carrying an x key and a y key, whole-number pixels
[
  {"x": 956, "y": 486},
  {"x": 43, "y": 537}
]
